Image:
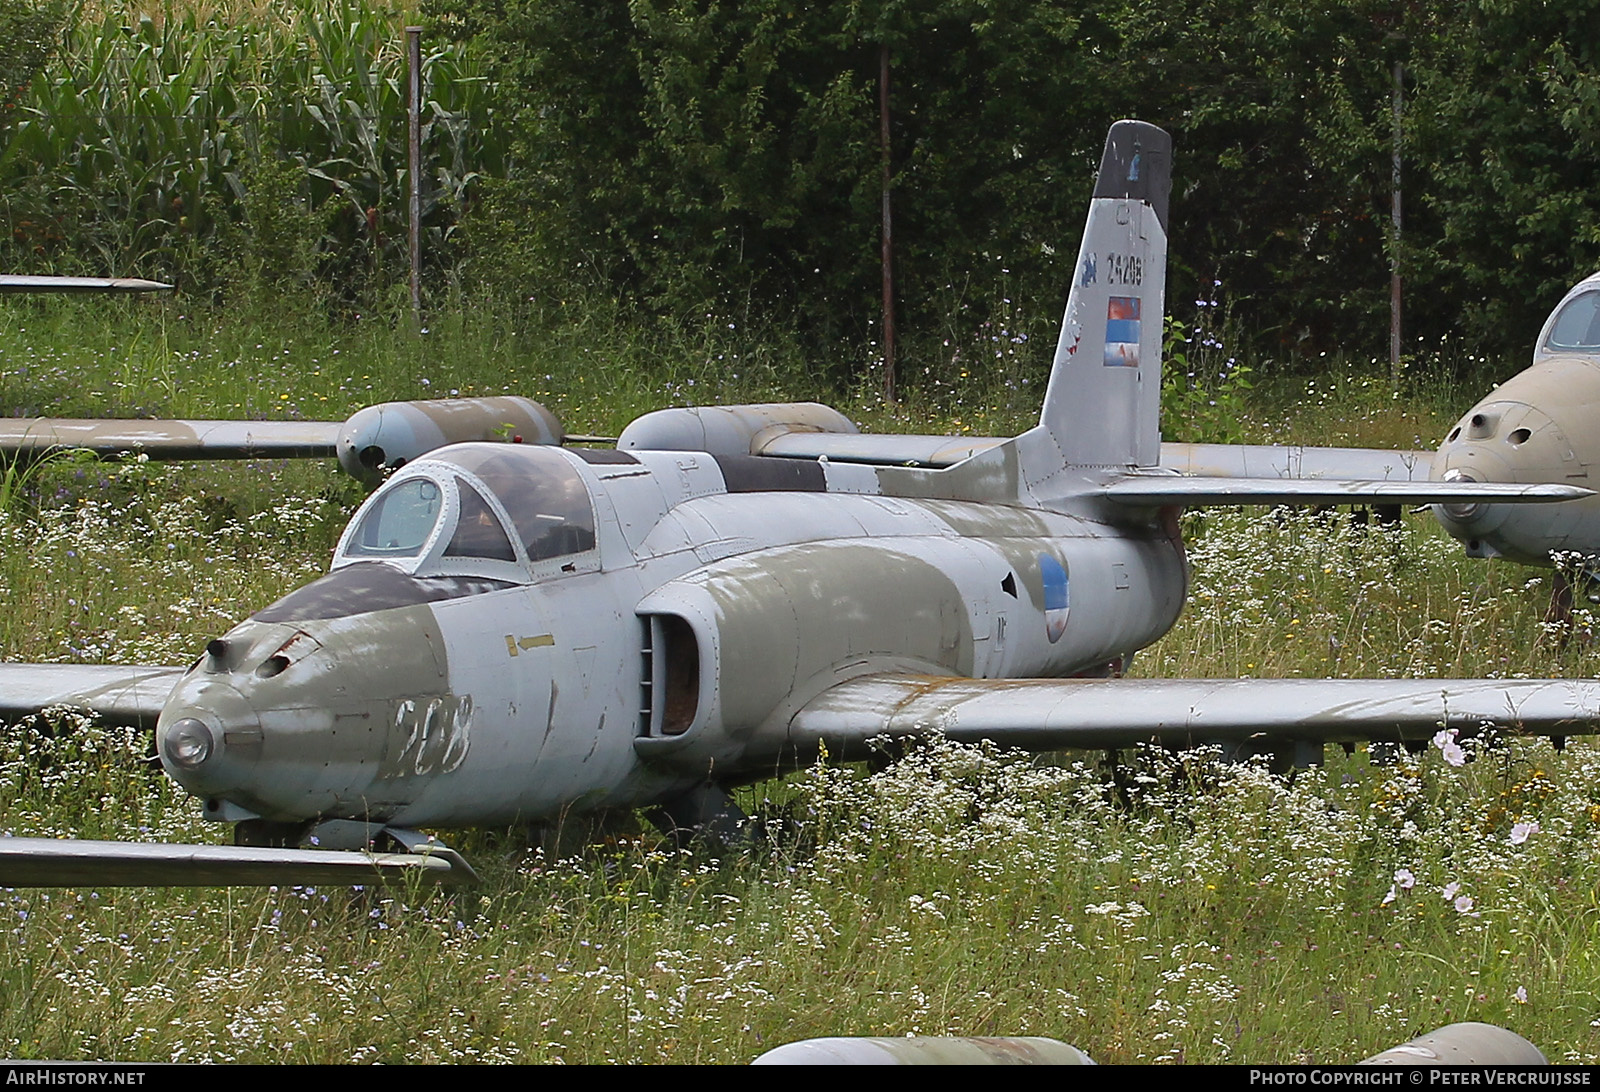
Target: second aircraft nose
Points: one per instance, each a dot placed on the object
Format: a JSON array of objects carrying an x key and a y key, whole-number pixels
[{"x": 1510, "y": 441}]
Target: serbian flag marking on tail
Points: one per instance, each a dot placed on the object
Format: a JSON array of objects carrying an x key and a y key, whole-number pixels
[{"x": 1122, "y": 332}]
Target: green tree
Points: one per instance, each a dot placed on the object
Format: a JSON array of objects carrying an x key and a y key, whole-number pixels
[{"x": 1505, "y": 123}]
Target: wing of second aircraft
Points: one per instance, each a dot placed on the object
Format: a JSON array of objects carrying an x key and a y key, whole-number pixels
[
  {"x": 119, "y": 693},
  {"x": 34, "y": 437}
]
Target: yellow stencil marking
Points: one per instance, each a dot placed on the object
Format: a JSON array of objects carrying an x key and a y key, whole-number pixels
[{"x": 525, "y": 643}]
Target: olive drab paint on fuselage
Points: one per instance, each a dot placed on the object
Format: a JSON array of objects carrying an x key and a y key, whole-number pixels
[{"x": 512, "y": 631}]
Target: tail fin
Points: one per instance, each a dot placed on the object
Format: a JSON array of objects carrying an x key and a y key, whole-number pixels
[{"x": 1103, "y": 404}]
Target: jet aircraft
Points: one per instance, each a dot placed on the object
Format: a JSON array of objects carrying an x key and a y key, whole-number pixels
[
  {"x": 512, "y": 633},
  {"x": 1537, "y": 426}
]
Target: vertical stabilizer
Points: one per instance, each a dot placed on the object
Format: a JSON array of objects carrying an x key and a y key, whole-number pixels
[{"x": 1103, "y": 404}]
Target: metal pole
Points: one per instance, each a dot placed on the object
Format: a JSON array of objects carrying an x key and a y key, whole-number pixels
[{"x": 414, "y": 171}]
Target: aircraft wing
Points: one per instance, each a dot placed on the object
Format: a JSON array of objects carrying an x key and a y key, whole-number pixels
[
  {"x": 120, "y": 694},
  {"x": 380, "y": 437},
  {"x": 1296, "y": 461},
  {"x": 1055, "y": 714},
  {"x": 24, "y": 436},
  {"x": 72, "y": 862},
  {"x": 11, "y": 283},
  {"x": 1156, "y": 489}
]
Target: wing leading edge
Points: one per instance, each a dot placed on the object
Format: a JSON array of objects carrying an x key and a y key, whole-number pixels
[
  {"x": 1156, "y": 490},
  {"x": 1053, "y": 714},
  {"x": 34, "y": 437}
]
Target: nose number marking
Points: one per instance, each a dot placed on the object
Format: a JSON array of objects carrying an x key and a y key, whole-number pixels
[{"x": 437, "y": 732}]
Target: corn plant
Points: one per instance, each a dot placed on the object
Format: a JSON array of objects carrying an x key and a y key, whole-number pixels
[{"x": 138, "y": 148}]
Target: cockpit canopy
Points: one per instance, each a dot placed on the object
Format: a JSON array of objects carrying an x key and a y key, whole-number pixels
[{"x": 503, "y": 511}]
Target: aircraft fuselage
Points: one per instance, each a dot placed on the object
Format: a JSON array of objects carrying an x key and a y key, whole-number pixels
[{"x": 489, "y": 649}]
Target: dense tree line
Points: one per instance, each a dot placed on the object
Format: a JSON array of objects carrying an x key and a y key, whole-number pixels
[
  {"x": 704, "y": 157},
  {"x": 695, "y": 154}
]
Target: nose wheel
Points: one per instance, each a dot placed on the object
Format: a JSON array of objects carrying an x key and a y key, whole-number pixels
[{"x": 707, "y": 814}]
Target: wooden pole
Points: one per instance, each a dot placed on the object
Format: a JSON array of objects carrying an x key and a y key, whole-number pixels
[
  {"x": 414, "y": 169},
  {"x": 888, "y": 226},
  {"x": 1394, "y": 246}
]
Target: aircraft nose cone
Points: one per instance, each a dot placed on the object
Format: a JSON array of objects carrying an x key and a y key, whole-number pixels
[
  {"x": 288, "y": 718},
  {"x": 208, "y": 737},
  {"x": 1509, "y": 441},
  {"x": 1473, "y": 524}
]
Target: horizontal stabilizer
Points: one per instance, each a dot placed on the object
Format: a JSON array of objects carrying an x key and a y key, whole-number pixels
[
  {"x": 1210, "y": 460},
  {"x": 119, "y": 693},
  {"x": 1160, "y": 490},
  {"x": 10, "y": 283},
  {"x": 68, "y": 862},
  {"x": 1296, "y": 461},
  {"x": 1048, "y": 714}
]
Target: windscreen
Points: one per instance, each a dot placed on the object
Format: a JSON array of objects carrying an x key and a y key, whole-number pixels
[
  {"x": 1577, "y": 327},
  {"x": 399, "y": 522}
]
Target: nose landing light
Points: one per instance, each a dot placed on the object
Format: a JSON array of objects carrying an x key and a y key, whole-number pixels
[
  {"x": 188, "y": 743},
  {"x": 1462, "y": 513}
]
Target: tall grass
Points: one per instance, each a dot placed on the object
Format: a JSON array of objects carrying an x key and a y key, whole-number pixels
[{"x": 1209, "y": 913}]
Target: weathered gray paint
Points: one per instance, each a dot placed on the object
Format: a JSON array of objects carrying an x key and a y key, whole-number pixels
[
  {"x": 1470, "y": 1043},
  {"x": 60, "y": 862},
  {"x": 1043, "y": 714},
  {"x": 121, "y": 695},
  {"x": 1206, "y": 460},
  {"x": 373, "y": 440},
  {"x": 730, "y": 430},
  {"x": 926, "y": 1050},
  {"x": 1457, "y": 1045},
  {"x": 34, "y": 436},
  {"x": 391, "y": 434}
]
